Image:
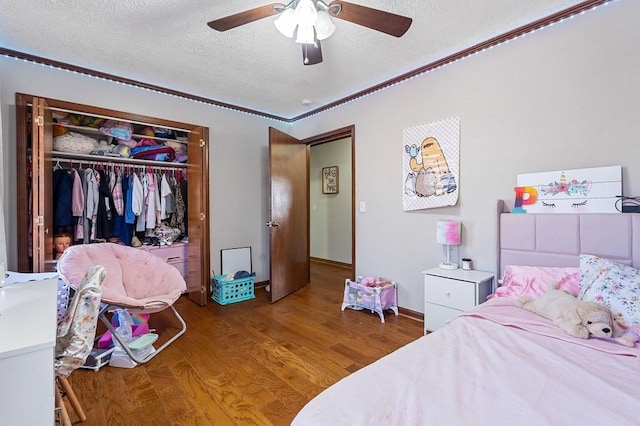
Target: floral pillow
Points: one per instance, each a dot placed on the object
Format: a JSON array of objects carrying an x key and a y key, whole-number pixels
[
  {"x": 614, "y": 285},
  {"x": 521, "y": 280}
]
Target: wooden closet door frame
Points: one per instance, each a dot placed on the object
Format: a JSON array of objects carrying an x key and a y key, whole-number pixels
[
  {"x": 198, "y": 260},
  {"x": 42, "y": 219},
  {"x": 34, "y": 113},
  {"x": 198, "y": 212}
]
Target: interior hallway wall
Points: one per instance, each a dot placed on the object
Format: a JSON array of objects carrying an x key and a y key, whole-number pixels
[{"x": 330, "y": 214}]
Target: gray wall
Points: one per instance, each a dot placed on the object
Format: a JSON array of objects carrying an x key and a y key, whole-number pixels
[
  {"x": 330, "y": 214},
  {"x": 562, "y": 97}
]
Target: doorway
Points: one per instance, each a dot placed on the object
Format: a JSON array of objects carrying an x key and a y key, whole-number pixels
[
  {"x": 330, "y": 198},
  {"x": 290, "y": 208},
  {"x": 332, "y": 210}
]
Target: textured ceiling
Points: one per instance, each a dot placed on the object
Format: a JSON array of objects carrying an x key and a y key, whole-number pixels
[{"x": 167, "y": 43}]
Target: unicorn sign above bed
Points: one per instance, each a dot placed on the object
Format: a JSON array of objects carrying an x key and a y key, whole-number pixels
[{"x": 593, "y": 190}]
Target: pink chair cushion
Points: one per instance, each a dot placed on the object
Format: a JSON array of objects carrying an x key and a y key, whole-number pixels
[{"x": 135, "y": 279}]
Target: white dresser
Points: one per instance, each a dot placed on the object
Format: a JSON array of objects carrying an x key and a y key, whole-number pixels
[
  {"x": 448, "y": 293},
  {"x": 27, "y": 344}
]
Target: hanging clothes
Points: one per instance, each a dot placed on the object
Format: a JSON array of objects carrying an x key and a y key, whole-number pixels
[
  {"x": 165, "y": 195},
  {"x": 121, "y": 229},
  {"x": 142, "y": 221},
  {"x": 138, "y": 199},
  {"x": 77, "y": 204},
  {"x": 129, "y": 212},
  {"x": 104, "y": 223},
  {"x": 94, "y": 218},
  {"x": 158, "y": 198},
  {"x": 91, "y": 194},
  {"x": 105, "y": 202},
  {"x": 150, "y": 213},
  {"x": 79, "y": 232},
  {"x": 77, "y": 195},
  {"x": 117, "y": 193},
  {"x": 62, "y": 183},
  {"x": 185, "y": 201},
  {"x": 177, "y": 219}
]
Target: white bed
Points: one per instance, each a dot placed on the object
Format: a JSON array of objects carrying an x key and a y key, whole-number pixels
[{"x": 499, "y": 364}]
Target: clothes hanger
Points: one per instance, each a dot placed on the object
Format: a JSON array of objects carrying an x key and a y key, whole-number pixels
[{"x": 57, "y": 166}]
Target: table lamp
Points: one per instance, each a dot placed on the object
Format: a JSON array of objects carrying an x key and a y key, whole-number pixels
[{"x": 448, "y": 234}]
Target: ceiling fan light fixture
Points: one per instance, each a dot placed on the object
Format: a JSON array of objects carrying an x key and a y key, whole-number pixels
[
  {"x": 305, "y": 35},
  {"x": 309, "y": 21},
  {"x": 286, "y": 23},
  {"x": 324, "y": 26},
  {"x": 306, "y": 13}
]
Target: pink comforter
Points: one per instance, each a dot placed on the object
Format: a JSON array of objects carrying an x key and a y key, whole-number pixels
[{"x": 495, "y": 365}]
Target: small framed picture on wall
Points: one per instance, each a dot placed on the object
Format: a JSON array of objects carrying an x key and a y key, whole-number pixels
[{"x": 330, "y": 180}]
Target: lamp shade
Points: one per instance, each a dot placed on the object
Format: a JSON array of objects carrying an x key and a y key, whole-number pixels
[
  {"x": 286, "y": 23},
  {"x": 305, "y": 35},
  {"x": 448, "y": 232},
  {"x": 324, "y": 26},
  {"x": 309, "y": 18},
  {"x": 306, "y": 13}
]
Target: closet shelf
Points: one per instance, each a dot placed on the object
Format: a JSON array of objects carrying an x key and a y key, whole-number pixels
[
  {"x": 97, "y": 132},
  {"x": 60, "y": 155}
]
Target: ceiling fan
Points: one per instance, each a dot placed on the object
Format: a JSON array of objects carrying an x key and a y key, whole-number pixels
[{"x": 310, "y": 21}]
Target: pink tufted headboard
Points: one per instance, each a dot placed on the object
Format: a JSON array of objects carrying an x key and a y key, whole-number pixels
[{"x": 559, "y": 239}]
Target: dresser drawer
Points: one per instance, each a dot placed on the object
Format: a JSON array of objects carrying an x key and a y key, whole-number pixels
[
  {"x": 181, "y": 266},
  {"x": 170, "y": 254},
  {"x": 436, "y": 316},
  {"x": 448, "y": 292}
]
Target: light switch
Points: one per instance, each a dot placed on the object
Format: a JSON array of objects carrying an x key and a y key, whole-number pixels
[{"x": 363, "y": 207}]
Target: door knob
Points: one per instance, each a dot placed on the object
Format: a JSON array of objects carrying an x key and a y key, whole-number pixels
[{"x": 272, "y": 224}]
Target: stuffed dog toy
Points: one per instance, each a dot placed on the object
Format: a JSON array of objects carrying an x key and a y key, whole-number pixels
[{"x": 577, "y": 318}]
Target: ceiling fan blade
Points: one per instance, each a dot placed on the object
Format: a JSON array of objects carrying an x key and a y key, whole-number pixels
[
  {"x": 378, "y": 20},
  {"x": 232, "y": 21},
  {"x": 311, "y": 54}
]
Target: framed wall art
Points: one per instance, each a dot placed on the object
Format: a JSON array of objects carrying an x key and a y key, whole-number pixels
[
  {"x": 330, "y": 180},
  {"x": 431, "y": 164}
]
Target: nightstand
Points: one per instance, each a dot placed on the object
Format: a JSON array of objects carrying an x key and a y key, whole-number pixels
[{"x": 448, "y": 293}]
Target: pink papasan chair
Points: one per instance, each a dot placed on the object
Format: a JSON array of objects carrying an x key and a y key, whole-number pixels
[{"x": 135, "y": 280}]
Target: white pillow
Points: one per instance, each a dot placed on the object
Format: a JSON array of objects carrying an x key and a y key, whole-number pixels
[
  {"x": 74, "y": 142},
  {"x": 614, "y": 285}
]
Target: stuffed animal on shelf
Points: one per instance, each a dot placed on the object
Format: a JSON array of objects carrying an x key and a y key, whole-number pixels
[
  {"x": 630, "y": 336},
  {"x": 576, "y": 317}
]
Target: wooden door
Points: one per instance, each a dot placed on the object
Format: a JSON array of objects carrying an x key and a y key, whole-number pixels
[
  {"x": 289, "y": 224},
  {"x": 198, "y": 261},
  {"x": 24, "y": 114},
  {"x": 41, "y": 186}
]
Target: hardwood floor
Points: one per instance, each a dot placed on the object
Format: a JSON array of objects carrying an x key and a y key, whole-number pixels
[{"x": 246, "y": 363}]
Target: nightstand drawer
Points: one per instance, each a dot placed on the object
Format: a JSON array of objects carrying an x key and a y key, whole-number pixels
[
  {"x": 436, "y": 316},
  {"x": 452, "y": 293}
]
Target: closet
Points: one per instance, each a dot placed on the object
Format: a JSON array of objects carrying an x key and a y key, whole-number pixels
[{"x": 55, "y": 136}]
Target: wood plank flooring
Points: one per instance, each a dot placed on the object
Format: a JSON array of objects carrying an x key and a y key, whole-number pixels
[{"x": 245, "y": 363}]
